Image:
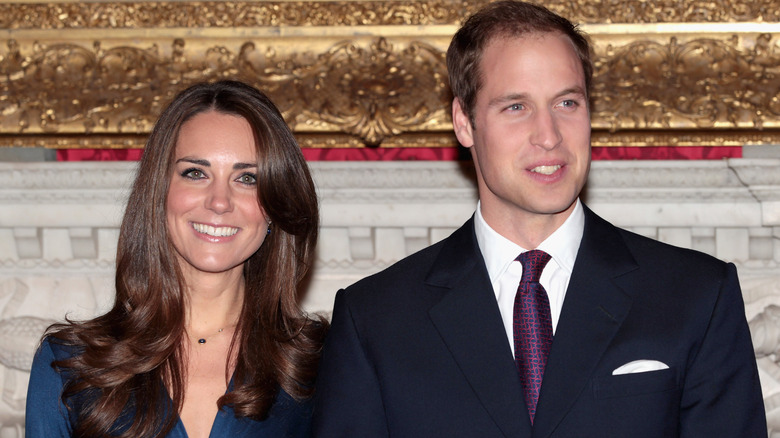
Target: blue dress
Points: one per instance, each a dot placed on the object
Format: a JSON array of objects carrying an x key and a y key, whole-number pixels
[{"x": 47, "y": 416}]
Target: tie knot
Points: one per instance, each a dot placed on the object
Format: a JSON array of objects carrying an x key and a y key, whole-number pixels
[{"x": 533, "y": 263}]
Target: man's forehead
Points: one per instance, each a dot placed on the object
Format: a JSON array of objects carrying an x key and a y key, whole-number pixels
[
  {"x": 489, "y": 54},
  {"x": 498, "y": 51}
]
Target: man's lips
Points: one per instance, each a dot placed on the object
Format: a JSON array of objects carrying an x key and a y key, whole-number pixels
[{"x": 546, "y": 170}]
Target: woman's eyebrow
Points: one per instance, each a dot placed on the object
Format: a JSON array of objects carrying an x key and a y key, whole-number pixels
[
  {"x": 242, "y": 166},
  {"x": 204, "y": 163}
]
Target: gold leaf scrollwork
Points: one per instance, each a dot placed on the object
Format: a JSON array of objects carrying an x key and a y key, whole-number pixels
[
  {"x": 372, "y": 93},
  {"x": 219, "y": 14},
  {"x": 665, "y": 11},
  {"x": 703, "y": 83},
  {"x": 69, "y": 88},
  {"x": 372, "y": 73}
]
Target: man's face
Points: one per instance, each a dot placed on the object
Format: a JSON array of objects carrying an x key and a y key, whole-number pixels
[{"x": 530, "y": 140}]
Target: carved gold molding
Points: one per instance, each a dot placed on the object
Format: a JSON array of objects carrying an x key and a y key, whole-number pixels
[
  {"x": 169, "y": 14},
  {"x": 372, "y": 73},
  {"x": 702, "y": 81}
]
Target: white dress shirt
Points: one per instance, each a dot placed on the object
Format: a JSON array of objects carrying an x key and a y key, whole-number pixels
[{"x": 505, "y": 273}]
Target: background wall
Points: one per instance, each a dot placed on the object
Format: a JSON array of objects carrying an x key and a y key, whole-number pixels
[{"x": 58, "y": 231}]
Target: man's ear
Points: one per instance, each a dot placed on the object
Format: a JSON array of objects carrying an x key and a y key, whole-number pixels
[{"x": 461, "y": 124}]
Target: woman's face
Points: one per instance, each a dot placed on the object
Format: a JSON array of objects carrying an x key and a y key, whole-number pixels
[{"x": 213, "y": 215}]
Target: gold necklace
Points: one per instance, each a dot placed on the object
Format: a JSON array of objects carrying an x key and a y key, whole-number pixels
[{"x": 202, "y": 340}]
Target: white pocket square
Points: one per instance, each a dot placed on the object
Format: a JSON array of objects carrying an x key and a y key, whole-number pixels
[{"x": 640, "y": 366}]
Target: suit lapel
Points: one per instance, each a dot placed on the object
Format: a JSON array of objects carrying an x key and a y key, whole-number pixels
[
  {"x": 469, "y": 322},
  {"x": 593, "y": 310}
]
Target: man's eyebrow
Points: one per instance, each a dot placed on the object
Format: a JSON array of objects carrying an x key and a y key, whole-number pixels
[
  {"x": 500, "y": 100},
  {"x": 507, "y": 98},
  {"x": 572, "y": 90}
]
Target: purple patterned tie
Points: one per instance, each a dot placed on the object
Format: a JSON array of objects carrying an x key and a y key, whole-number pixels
[{"x": 532, "y": 327}]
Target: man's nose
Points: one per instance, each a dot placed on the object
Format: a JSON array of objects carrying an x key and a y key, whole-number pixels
[{"x": 545, "y": 131}]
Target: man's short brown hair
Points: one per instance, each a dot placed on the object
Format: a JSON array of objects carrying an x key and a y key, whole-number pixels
[{"x": 504, "y": 19}]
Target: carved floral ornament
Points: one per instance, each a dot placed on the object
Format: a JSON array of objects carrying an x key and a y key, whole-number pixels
[
  {"x": 102, "y": 79},
  {"x": 171, "y": 14}
]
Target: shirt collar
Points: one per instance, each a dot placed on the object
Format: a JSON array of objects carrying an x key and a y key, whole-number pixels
[{"x": 499, "y": 252}]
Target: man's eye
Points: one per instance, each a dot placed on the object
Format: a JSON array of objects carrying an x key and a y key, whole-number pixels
[{"x": 515, "y": 107}]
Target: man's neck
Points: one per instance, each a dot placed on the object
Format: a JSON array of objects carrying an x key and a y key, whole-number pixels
[{"x": 525, "y": 229}]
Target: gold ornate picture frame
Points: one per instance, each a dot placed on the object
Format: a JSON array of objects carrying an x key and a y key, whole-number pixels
[{"x": 371, "y": 73}]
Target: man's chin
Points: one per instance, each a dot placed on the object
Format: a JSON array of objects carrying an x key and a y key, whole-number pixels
[{"x": 558, "y": 208}]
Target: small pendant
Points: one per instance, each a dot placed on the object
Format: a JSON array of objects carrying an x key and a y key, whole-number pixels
[{"x": 201, "y": 341}]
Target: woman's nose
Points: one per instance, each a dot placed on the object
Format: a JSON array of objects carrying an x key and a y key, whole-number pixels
[{"x": 219, "y": 198}]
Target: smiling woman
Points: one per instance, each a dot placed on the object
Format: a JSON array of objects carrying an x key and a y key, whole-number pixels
[
  {"x": 206, "y": 336},
  {"x": 213, "y": 215}
]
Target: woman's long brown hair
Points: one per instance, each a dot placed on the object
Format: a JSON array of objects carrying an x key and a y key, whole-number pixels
[{"x": 131, "y": 356}]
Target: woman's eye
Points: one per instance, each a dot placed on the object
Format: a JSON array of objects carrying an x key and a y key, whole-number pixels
[
  {"x": 193, "y": 174},
  {"x": 247, "y": 178}
]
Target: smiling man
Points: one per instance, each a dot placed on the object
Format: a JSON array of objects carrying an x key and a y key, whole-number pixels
[{"x": 537, "y": 318}]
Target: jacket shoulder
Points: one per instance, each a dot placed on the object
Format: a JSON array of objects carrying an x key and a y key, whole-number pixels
[
  {"x": 410, "y": 270},
  {"x": 605, "y": 238},
  {"x": 650, "y": 251}
]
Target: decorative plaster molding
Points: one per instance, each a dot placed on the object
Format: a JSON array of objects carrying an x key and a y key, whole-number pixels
[
  {"x": 71, "y": 176},
  {"x": 16, "y": 336},
  {"x": 757, "y": 172},
  {"x": 670, "y": 174},
  {"x": 58, "y": 265},
  {"x": 394, "y": 175},
  {"x": 373, "y": 213}
]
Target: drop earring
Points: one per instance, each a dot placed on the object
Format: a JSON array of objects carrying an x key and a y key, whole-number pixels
[{"x": 269, "y": 229}]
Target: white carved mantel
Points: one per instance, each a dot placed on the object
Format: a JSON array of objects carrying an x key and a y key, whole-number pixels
[{"x": 58, "y": 230}]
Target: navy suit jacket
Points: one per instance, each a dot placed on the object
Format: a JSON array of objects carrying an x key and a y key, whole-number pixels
[{"x": 419, "y": 350}]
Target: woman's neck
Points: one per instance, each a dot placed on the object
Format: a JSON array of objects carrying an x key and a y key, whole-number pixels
[{"x": 213, "y": 302}]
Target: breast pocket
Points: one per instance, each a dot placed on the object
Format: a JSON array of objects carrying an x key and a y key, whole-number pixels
[
  {"x": 633, "y": 384},
  {"x": 622, "y": 403}
]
